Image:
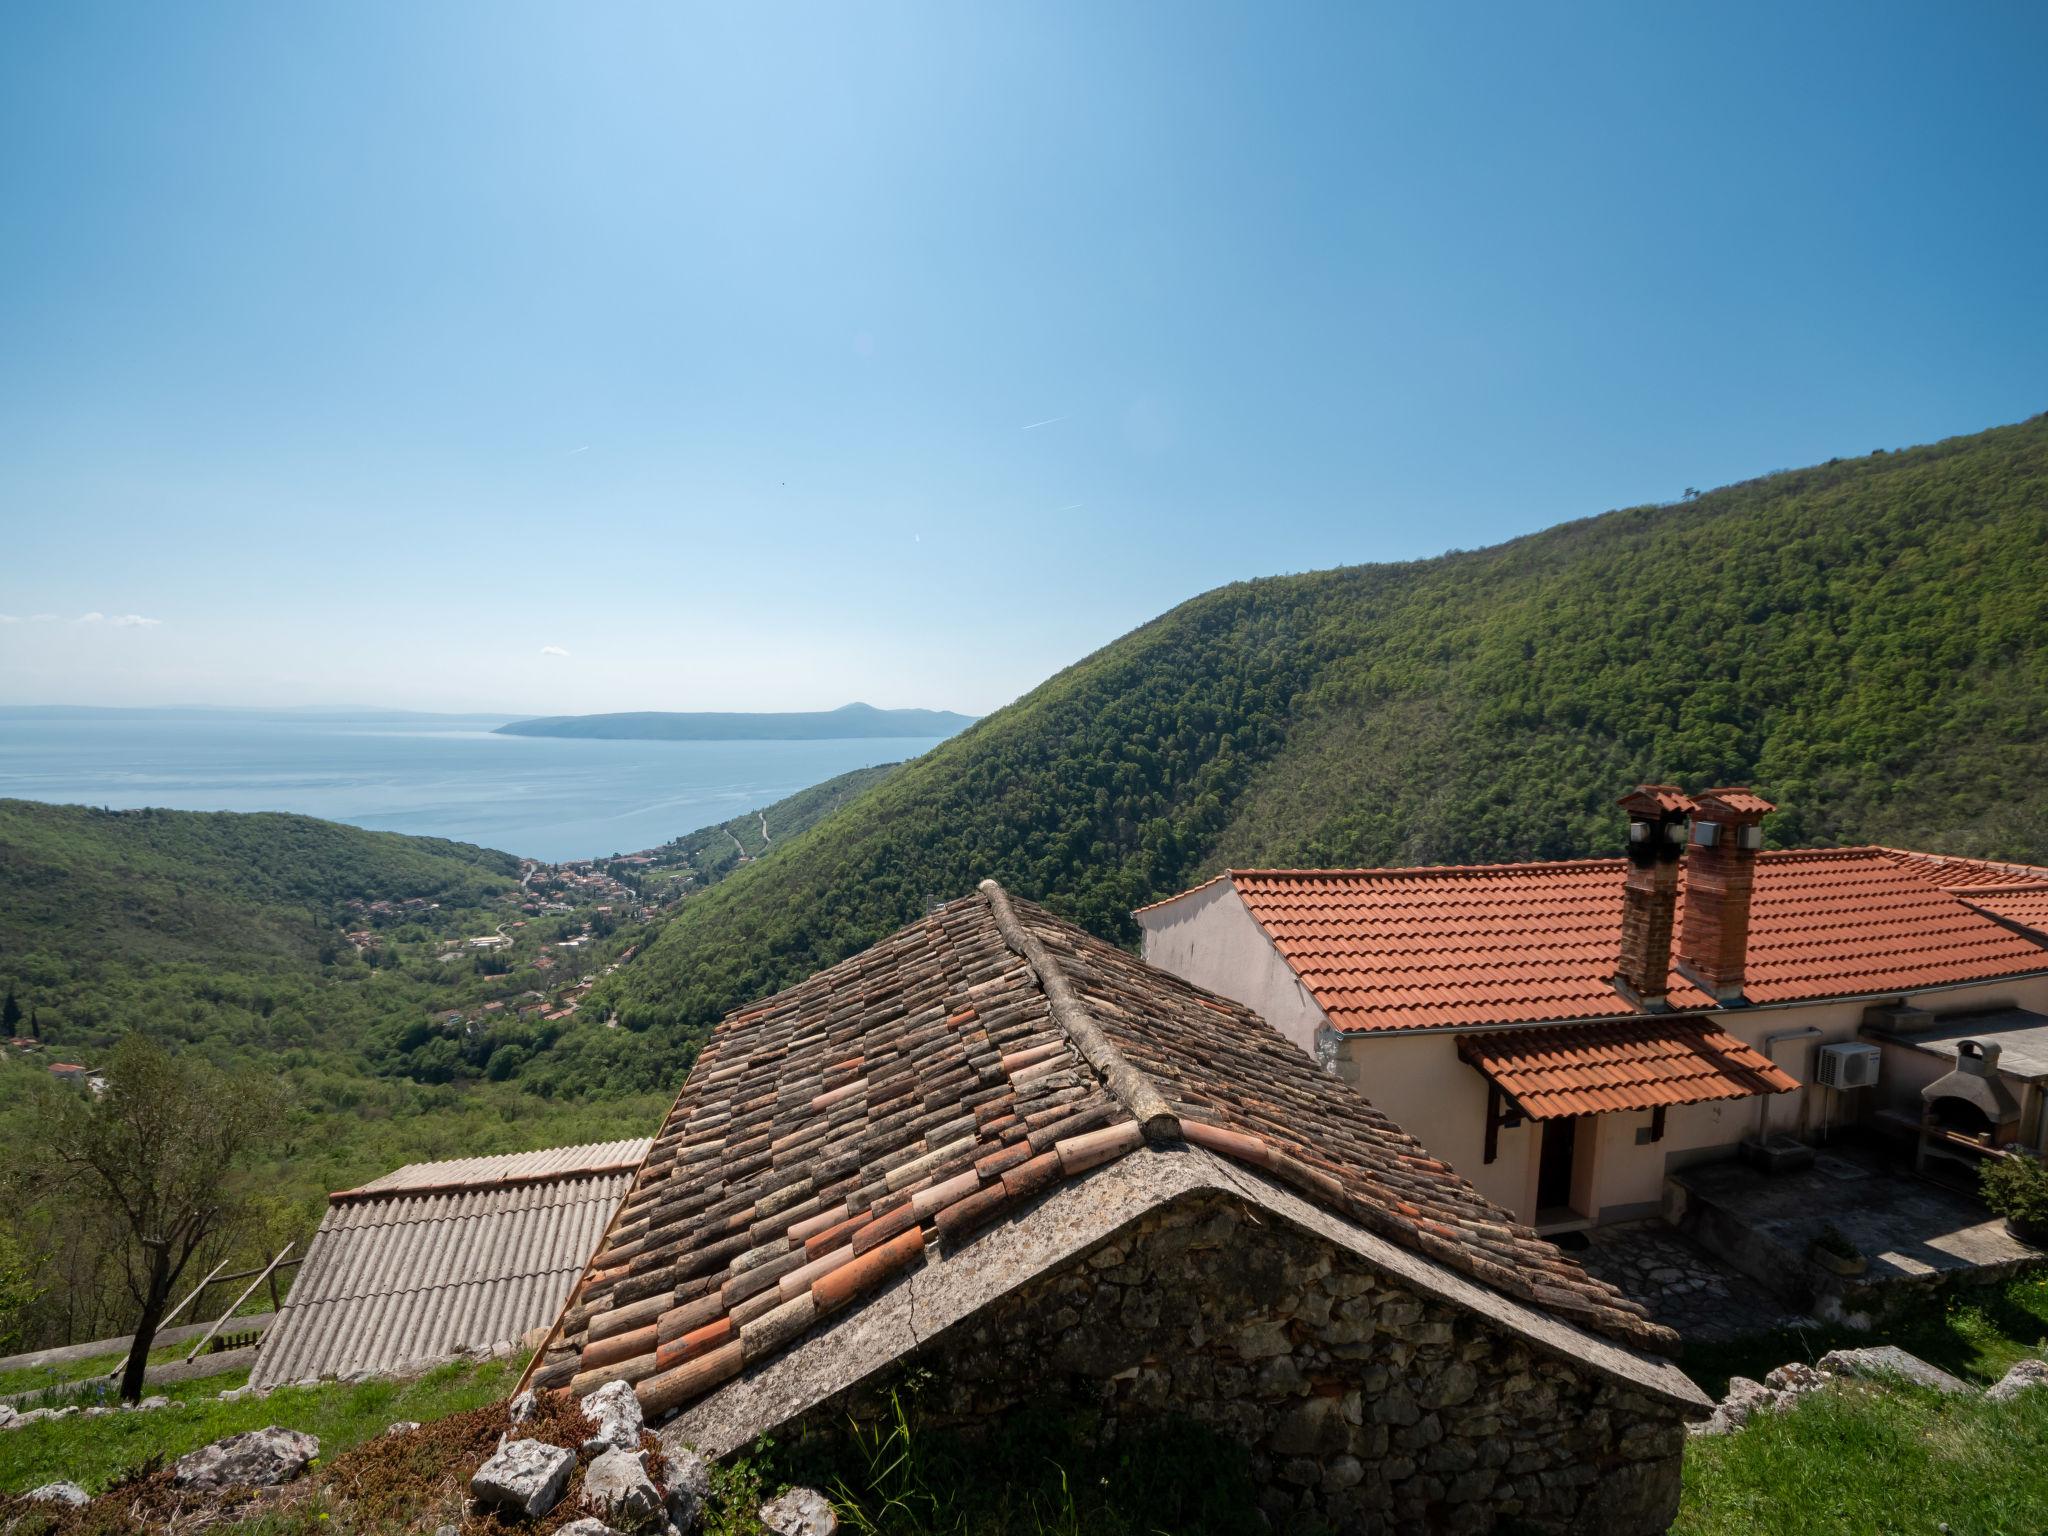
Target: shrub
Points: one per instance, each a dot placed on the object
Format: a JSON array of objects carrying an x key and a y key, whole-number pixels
[{"x": 2016, "y": 1187}]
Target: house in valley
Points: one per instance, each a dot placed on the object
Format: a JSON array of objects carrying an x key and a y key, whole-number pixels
[
  {"x": 1018, "y": 1162},
  {"x": 1565, "y": 1033}
]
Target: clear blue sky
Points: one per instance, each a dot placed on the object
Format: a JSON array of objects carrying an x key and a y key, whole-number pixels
[{"x": 369, "y": 349}]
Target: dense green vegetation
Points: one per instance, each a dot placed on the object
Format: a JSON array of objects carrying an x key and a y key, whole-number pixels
[
  {"x": 849, "y": 721},
  {"x": 227, "y": 935},
  {"x": 1863, "y": 641},
  {"x": 711, "y": 853}
]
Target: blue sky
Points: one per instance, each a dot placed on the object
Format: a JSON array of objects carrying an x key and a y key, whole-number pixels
[{"x": 586, "y": 357}]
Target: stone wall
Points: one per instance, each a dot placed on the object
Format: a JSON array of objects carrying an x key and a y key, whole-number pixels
[{"x": 1366, "y": 1405}]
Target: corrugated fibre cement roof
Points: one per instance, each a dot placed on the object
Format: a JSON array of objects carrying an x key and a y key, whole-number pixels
[{"x": 419, "y": 1266}]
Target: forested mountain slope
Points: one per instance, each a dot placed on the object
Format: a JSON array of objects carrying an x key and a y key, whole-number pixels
[
  {"x": 1863, "y": 641},
  {"x": 97, "y": 886},
  {"x": 711, "y": 853}
]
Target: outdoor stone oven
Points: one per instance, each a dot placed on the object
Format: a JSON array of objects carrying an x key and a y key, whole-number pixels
[
  {"x": 1971, "y": 1100},
  {"x": 1013, "y": 1161}
]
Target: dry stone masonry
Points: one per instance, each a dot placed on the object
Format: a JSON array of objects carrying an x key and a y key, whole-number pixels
[{"x": 1364, "y": 1404}]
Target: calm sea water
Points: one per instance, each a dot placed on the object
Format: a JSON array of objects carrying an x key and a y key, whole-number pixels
[{"x": 436, "y": 775}]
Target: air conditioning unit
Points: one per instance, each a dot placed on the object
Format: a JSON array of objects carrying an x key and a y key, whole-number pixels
[{"x": 1850, "y": 1065}]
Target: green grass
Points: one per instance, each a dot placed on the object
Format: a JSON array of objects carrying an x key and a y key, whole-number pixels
[
  {"x": 1864, "y": 1460},
  {"x": 93, "y": 1452},
  {"x": 1974, "y": 1333},
  {"x": 37, "y": 1378}
]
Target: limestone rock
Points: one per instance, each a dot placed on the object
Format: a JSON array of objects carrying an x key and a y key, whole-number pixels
[
  {"x": 689, "y": 1484},
  {"x": 2025, "y": 1376},
  {"x": 523, "y": 1407},
  {"x": 800, "y": 1512},
  {"x": 1744, "y": 1400},
  {"x": 1882, "y": 1360},
  {"x": 1794, "y": 1379},
  {"x": 151, "y": 1404},
  {"x": 616, "y": 1412},
  {"x": 8, "y": 1417},
  {"x": 401, "y": 1426},
  {"x": 616, "y": 1487},
  {"x": 587, "y": 1526},
  {"x": 525, "y": 1476},
  {"x": 259, "y": 1458},
  {"x": 59, "y": 1493}
]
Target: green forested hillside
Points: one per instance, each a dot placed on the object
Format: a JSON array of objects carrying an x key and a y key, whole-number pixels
[
  {"x": 117, "y": 886},
  {"x": 1863, "y": 640},
  {"x": 711, "y": 853},
  {"x": 227, "y": 935}
]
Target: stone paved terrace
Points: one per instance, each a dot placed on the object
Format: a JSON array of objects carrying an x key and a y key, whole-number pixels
[
  {"x": 1681, "y": 1285},
  {"x": 1914, "y": 1233}
]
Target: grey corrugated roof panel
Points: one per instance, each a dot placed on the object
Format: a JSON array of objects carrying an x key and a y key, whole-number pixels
[{"x": 404, "y": 1276}]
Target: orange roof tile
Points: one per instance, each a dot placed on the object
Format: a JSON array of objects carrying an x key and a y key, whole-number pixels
[
  {"x": 1953, "y": 874},
  {"x": 1496, "y": 944},
  {"x": 1591, "y": 1069}
]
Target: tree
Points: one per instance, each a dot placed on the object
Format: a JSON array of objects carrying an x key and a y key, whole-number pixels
[
  {"x": 18, "y": 1291},
  {"x": 10, "y": 1014},
  {"x": 161, "y": 1151}
]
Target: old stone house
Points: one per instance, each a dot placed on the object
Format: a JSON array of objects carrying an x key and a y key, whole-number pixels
[
  {"x": 997, "y": 1149},
  {"x": 1566, "y": 1033}
]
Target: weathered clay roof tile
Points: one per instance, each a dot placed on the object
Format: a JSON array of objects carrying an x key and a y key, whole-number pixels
[{"x": 977, "y": 1059}]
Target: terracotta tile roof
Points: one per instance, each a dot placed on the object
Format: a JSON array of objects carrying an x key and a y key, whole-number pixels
[
  {"x": 1969, "y": 874},
  {"x": 1591, "y": 1069},
  {"x": 915, "y": 1094},
  {"x": 1526, "y": 943},
  {"x": 2020, "y": 906}
]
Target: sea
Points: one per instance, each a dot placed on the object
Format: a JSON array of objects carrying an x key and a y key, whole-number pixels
[{"x": 436, "y": 775}]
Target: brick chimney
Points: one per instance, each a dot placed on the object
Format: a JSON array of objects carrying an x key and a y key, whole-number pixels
[
  {"x": 1656, "y": 840},
  {"x": 1720, "y": 875}
]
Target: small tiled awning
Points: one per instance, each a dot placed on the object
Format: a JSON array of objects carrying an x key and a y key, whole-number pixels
[{"x": 1594, "y": 1069}]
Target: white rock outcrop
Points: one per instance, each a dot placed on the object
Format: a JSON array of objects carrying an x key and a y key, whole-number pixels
[
  {"x": 615, "y": 1412},
  {"x": 2025, "y": 1376},
  {"x": 617, "y": 1489},
  {"x": 524, "y": 1476},
  {"x": 800, "y": 1512},
  {"x": 59, "y": 1493},
  {"x": 258, "y": 1458}
]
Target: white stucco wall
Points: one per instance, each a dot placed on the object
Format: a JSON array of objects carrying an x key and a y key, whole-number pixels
[
  {"x": 1421, "y": 1084},
  {"x": 1209, "y": 937}
]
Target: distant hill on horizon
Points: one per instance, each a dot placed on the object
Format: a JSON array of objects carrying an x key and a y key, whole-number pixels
[{"x": 847, "y": 722}]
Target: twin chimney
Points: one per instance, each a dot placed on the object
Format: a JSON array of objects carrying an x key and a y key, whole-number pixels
[{"x": 1718, "y": 834}]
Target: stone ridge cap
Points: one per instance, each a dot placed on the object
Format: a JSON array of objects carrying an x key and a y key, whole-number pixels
[{"x": 1131, "y": 1088}]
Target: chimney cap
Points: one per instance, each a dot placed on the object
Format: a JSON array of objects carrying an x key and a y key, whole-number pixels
[
  {"x": 1733, "y": 804},
  {"x": 1656, "y": 800}
]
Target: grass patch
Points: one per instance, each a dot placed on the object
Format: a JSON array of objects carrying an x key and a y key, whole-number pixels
[
  {"x": 1974, "y": 1332},
  {"x": 40, "y": 1378},
  {"x": 94, "y": 1452},
  {"x": 1867, "y": 1460}
]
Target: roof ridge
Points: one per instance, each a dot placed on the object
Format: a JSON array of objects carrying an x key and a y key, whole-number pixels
[{"x": 1131, "y": 1088}]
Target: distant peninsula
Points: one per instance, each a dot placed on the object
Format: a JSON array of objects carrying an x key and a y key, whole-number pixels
[{"x": 846, "y": 722}]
